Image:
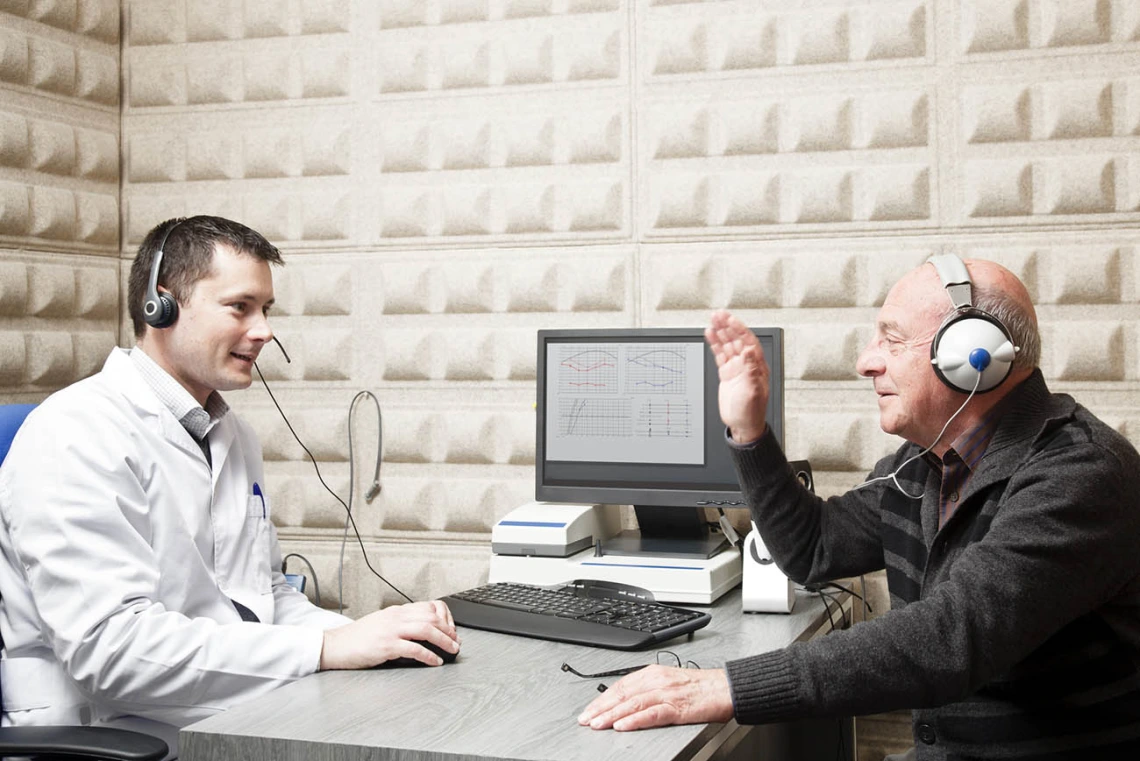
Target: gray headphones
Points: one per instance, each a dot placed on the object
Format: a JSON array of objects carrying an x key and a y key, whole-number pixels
[
  {"x": 970, "y": 341},
  {"x": 160, "y": 310}
]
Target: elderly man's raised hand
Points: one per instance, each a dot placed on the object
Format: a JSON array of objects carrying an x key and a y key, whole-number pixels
[{"x": 744, "y": 384}]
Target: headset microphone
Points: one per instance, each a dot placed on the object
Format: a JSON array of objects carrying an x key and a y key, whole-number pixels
[
  {"x": 160, "y": 310},
  {"x": 283, "y": 352},
  {"x": 972, "y": 351}
]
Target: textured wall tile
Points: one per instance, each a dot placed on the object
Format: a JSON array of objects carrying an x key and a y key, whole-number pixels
[
  {"x": 13, "y": 288},
  {"x": 97, "y": 295},
  {"x": 163, "y": 85},
  {"x": 1075, "y": 22},
  {"x": 15, "y": 208},
  {"x": 14, "y": 140},
  {"x": 13, "y": 358},
  {"x": 555, "y": 51},
  {"x": 53, "y": 213},
  {"x": 51, "y": 290},
  {"x": 325, "y": 73},
  {"x": 214, "y": 156},
  {"x": 52, "y": 147},
  {"x": 99, "y": 19},
  {"x": 998, "y": 113},
  {"x": 213, "y": 20},
  {"x": 993, "y": 25},
  {"x": 455, "y": 355},
  {"x": 97, "y": 155},
  {"x": 1077, "y": 109},
  {"x": 97, "y": 218},
  {"x": 741, "y": 37},
  {"x": 450, "y": 504},
  {"x": 328, "y": 355},
  {"x": 999, "y": 188},
  {"x": 1086, "y": 351},
  {"x": 217, "y": 79},
  {"x": 1084, "y": 185},
  {"x": 156, "y": 23},
  {"x": 834, "y": 441},
  {"x": 1083, "y": 275},
  {"x": 156, "y": 158},
  {"x": 14, "y": 57},
  {"x": 272, "y": 77},
  {"x": 822, "y": 352},
  {"x": 97, "y": 78},
  {"x": 51, "y": 66},
  {"x": 91, "y": 350},
  {"x": 474, "y": 436},
  {"x": 50, "y": 359}
]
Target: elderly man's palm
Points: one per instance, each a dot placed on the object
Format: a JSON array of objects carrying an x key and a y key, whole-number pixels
[{"x": 743, "y": 392}]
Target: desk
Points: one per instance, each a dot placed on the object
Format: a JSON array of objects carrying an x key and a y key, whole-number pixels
[{"x": 504, "y": 698}]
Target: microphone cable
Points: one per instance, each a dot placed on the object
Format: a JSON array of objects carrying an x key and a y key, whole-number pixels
[{"x": 347, "y": 509}]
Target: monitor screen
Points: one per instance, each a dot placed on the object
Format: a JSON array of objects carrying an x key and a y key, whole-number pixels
[{"x": 629, "y": 416}]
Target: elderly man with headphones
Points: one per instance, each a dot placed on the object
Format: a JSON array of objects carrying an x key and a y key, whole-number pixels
[
  {"x": 139, "y": 566},
  {"x": 1008, "y": 525}
]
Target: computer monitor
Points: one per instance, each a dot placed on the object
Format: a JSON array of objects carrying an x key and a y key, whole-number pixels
[{"x": 629, "y": 416}]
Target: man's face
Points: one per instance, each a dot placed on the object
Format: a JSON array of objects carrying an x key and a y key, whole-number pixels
[
  {"x": 913, "y": 402},
  {"x": 222, "y": 326}
]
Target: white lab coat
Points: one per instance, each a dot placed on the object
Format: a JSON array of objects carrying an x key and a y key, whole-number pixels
[{"x": 120, "y": 553}]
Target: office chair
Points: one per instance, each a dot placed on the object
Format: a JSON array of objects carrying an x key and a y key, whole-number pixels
[{"x": 58, "y": 743}]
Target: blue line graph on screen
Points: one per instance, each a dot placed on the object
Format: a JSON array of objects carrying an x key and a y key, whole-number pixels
[{"x": 656, "y": 371}]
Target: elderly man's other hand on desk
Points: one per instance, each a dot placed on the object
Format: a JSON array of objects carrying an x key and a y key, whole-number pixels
[{"x": 657, "y": 696}]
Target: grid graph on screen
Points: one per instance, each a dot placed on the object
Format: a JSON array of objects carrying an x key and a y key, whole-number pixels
[
  {"x": 594, "y": 418},
  {"x": 655, "y": 371},
  {"x": 588, "y": 369},
  {"x": 665, "y": 418}
]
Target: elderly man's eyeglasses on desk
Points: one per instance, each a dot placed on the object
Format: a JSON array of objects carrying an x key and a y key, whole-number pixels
[{"x": 664, "y": 658}]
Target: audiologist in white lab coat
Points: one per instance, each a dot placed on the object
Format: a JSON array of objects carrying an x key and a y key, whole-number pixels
[{"x": 140, "y": 577}]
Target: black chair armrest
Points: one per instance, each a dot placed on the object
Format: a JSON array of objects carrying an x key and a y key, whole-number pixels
[{"x": 81, "y": 742}]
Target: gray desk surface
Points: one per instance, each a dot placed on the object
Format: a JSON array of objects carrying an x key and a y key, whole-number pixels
[{"x": 504, "y": 698}]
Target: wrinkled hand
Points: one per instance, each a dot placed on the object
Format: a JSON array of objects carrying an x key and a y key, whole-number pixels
[
  {"x": 657, "y": 696},
  {"x": 744, "y": 378},
  {"x": 389, "y": 633}
]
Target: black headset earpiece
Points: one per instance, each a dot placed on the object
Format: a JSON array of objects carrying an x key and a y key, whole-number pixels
[
  {"x": 160, "y": 310},
  {"x": 970, "y": 341}
]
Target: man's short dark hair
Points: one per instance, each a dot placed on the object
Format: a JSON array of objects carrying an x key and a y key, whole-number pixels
[{"x": 188, "y": 256}]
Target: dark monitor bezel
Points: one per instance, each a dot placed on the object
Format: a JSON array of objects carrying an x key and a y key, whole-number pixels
[{"x": 665, "y": 495}]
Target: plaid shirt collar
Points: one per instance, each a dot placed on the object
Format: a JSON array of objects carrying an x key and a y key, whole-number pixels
[{"x": 197, "y": 421}]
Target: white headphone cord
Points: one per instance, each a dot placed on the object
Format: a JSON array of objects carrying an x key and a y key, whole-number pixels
[{"x": 893, "y": 477}]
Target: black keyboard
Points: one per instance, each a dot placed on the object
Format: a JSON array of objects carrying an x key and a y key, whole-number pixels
[{"x": 592, "y": 613}]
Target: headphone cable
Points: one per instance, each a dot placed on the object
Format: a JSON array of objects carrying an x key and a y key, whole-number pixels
[
  {"x": 347, "y": 509},
  {"x": 893, "y": 477}
]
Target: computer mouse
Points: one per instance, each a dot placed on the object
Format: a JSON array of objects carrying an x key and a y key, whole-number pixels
[{"x": 404, "y": 661}]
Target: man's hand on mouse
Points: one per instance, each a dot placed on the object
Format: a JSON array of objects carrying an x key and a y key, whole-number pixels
[{"x": 390, "y": 633}]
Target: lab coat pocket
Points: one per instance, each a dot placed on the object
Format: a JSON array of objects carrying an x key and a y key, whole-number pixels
[{"x": 254, "y": 548}]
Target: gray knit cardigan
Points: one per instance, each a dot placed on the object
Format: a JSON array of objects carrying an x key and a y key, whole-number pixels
[{"x": 1015, "y": 628}]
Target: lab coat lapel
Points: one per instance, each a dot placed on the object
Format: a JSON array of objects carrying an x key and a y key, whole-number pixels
[
  {"x": 221, "y": 441},
  {"x": 119, "y": 367}
]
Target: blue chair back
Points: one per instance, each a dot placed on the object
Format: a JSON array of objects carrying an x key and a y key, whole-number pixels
[{"x": 11, "y": 418}]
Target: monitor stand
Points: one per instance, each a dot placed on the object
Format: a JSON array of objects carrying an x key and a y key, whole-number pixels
[{"x": 670, "y": 532}]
